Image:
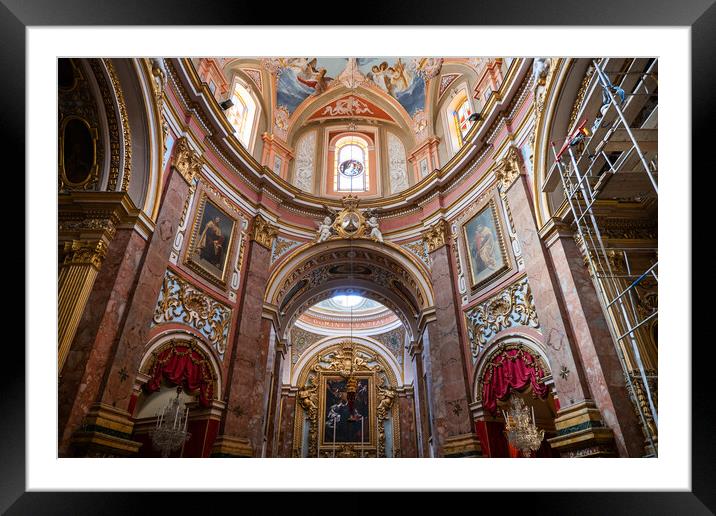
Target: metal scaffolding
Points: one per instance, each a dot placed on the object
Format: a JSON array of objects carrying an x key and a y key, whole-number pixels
[{"x": 594, "y": 162}]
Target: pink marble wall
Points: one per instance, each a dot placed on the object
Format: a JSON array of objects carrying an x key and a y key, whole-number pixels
[
  {"x": 246, "y": 386},
  {"x": 602, "y": 368},
  {"x": 448, "y": 382},
  {"x": 285, "y": 436},
  {"x": 92, "y": 349},
  {"x": 408, "y": 438},
  {"x": 117, "y": 389},
  {"x": 551, "y": 312}
]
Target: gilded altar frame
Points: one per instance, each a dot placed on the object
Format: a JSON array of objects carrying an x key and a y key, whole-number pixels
[{"x": 343, "y": 360}]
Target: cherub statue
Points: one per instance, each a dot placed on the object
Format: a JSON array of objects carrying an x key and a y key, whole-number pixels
[
  {"x": 325, "y": 229},
  {"x": 540, "y": 69},
  {"x": 375, "y": 233}
]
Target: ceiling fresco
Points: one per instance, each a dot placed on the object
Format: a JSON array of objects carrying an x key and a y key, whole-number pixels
[{"x": 403, "y": 78}]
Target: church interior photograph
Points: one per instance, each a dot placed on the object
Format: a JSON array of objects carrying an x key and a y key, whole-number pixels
[{"x": 357, "y": 257}]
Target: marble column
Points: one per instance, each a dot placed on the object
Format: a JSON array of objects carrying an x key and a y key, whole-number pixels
[
  {"x": 241, "y": 431},
  {"x": 449, "y": 393},
  {"x": 597, "y": 351},
  {"x": 580, "y": 426},
  {"x": 116, "y": 353},
  {"x": 275, "y": 400},
  {"x": 406, "y": 409},
  {"x": 286, "y": 418},
  {"x": 86, "y": 359},
  {"x": 415, "y": 352}
]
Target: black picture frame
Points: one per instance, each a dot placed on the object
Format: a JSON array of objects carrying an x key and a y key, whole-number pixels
[{"x": 700, "y": 16}]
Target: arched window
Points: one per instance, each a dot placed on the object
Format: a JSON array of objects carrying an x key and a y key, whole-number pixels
[
  {"x": 457, "y": 117},
  {"x": 461, "y": 122},
  {"x": 242, "y": 115},
  {"x": 351, "y": 173}
]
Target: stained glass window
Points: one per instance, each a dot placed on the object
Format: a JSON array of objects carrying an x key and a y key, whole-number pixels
[{"x": 351, "y": 164}]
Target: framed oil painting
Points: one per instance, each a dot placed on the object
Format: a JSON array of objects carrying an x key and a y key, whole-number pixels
[
  {"x": 211, "y": 240},
  {"x": 347, "y": 419},
  {"x": 484, "y": 246}
]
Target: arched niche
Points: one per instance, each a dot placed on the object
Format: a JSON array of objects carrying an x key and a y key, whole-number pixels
[
  {"x": 146, "y": 401},
  {"x": 489, "y": 424}
]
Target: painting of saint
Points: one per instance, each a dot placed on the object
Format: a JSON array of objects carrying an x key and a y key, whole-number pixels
[
  {"x": 486, "y": 257},
  {"x": 343, "y": 412},
  {"x": 212, "y": 239}
]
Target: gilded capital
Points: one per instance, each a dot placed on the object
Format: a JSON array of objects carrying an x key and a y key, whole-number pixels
[
  {"x": 264, "y": 232},
  {"x": 435, "y": 236},
  {"x": 508, "y": 169},
  {"x": 85, "y": 252},
  {"x": 186, "y": 161}
]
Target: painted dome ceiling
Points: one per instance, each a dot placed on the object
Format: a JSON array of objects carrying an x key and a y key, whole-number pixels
[{"x": 292, "y": 113}]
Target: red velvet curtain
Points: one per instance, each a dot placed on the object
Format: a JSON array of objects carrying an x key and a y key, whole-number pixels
[
  {"x": 511, "y": 369},
  {"x": 182, "y": 365}
]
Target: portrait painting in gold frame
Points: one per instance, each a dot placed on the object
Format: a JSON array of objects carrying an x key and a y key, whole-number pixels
[
  {"x": 211, "y": 240},
  {"x": 484, "y": 246}
]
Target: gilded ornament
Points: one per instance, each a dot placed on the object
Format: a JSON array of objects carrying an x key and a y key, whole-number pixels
[
  {"x": 514, "y": 306},
  {"x": 126, "y": 134},
  {"x": 187, "y": 162},
  {"x": 264, "y": 233},
  {"x": 181, "y": 302},
  {"x": 508, "y": 169},
  {"x": 85, "y": 252},
  {"x": 435, "y": 236}
]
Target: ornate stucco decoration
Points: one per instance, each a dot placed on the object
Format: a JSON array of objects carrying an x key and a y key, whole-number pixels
[
  {"x": 180, "y": 302},
  {"x": 126, "y": 134},
  {"x": 514, "y": 306},
  {"x": 435, "y": 236},
  {"x": 349, "y": 223},
  {"x": 264, "y": 233},
  {"x": 186, "y": 161},
  {"x": 282, "y": 246},
  {"x": 508, "y": 169}
]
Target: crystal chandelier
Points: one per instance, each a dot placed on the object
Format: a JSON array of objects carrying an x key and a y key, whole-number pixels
[
  {"x": 170, "y": 432},
  {"x": 520, "y": 429}
]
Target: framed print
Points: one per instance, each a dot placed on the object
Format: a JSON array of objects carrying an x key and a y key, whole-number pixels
[
  {"x": 484, "y": 246},
  {"x": 211, "y": 239},
  {"x": 147, "y": 101}
]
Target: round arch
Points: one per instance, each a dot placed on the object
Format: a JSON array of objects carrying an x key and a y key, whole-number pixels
[{"x": 382, "y": 270}]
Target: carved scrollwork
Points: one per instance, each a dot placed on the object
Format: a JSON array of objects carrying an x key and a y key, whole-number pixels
[
  {"x": 180, "y": 302},
  {"x": 514, "y": 306}
]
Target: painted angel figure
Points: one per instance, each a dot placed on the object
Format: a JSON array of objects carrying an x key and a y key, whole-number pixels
[
  {"x": 375, "y": 233},
  {"x": 325, "y": 229}
]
